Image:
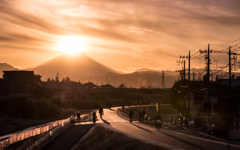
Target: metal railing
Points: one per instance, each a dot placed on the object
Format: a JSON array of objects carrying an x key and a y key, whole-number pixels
[
  {"x": 26, "y": 134},
  {"x": 47, "y": 138}
]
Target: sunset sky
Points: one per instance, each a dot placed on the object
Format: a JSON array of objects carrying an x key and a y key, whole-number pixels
[{"x": 122, "y": 34}]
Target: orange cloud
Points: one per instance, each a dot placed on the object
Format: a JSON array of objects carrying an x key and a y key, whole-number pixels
[{"x": 137, "y": 33}]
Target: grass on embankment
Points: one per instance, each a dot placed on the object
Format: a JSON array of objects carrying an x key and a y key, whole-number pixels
[{"x": 103, "y": 137}]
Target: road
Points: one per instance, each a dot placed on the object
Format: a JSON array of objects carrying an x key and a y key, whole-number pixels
[{"x": 169, "y": 137}]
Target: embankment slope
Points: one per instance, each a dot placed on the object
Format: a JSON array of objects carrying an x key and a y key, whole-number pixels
[{"x": 102, "y": 136}]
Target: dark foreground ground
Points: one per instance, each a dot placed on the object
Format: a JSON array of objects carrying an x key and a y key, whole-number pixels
[
  {"x": 105, "y": 137},
  {"x": 69, "y": 137}
]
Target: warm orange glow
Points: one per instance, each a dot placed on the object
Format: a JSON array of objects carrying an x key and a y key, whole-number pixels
[{"x": 71, "y": 45}]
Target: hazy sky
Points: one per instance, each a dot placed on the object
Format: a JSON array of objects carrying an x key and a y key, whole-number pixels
[{"x": 122, "y": 34}]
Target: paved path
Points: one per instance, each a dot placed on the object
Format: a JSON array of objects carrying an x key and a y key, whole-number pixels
[
  {"x": 72, "y": 135},
  {"x": 164, "y": 136},
  {"x": 69, "y": 137}
]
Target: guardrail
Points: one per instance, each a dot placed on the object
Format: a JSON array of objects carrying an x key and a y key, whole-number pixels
[
  {"x": 46, "y": 139},
  {"x": 24, "y": 135}
]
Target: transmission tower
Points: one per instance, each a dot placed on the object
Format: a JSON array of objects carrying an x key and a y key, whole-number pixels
[{"x": 163, "y": 84}]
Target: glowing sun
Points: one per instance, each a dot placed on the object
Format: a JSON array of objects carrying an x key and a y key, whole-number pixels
[{"x": 71, "y": 45}]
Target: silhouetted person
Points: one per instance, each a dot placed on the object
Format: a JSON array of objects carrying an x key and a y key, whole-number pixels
[
  {"x": 122, "y": 107},
  {"x": 94, "y": 117},
  {"x": 140, "y": 115},
  {"x": 131, "y": 115},
  {"x": 158, "y": 124},
  {"x": 100, "y": 112},
  {"x": 78, "y": 115},
  {"x": 143, "y": 113},
  {"x": 110, "y": 105}
]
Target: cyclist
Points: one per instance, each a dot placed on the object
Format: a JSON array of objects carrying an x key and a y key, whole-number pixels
[
  {"x": 158, "y": 124},
  {"x": 158, "y": 121},
  {"x": 131, "y": 115}
]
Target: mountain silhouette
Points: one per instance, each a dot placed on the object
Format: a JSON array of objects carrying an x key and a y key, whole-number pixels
[
  {"x": 74, "y": 66},
  {"x": 83, "y": 68},
  {"x": 6, "y": 67}
]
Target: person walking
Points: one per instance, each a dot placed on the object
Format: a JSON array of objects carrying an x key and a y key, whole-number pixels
[
  {"x": 143, "y": 113},
  {"x": 123, "y": 107},
  {"x": 100, "y": 112},
  {"x": 78, "y": 116},
  {"x": 140, "y": 115},
  {"x": 131, "y": 115},
  {"x": 94, "y": 118}
]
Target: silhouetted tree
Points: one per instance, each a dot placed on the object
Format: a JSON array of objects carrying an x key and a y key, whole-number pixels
[
  {"x": 63, "y": 80},
  {"x": 123, "y": 85},
  {"x": 57, "y": 78},
  {"x": 48, "y": 80},
  {"x": 67, "y": 79},
  {"x": 52, "y": 80}
]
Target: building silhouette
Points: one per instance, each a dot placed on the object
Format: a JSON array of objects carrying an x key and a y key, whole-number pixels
[{"x": 19, "y": 81}]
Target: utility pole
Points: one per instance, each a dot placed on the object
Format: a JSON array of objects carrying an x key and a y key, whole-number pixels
[
  {"x": 208, "y": 85},
  {"x": 188, "y": 93},
  {"x": 184, "y": 70},
  {"x": 189, "y": 88},
  {"x": 193, "y": 76},
  {"x": 189, "y": 66},
  {"x": 216, "y": 62},
  {"x": 208, "y": 65},
  {"x": 230, "y": 78}
]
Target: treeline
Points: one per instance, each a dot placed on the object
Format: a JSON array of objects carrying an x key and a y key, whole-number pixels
[{"x": 23, "y": 107}]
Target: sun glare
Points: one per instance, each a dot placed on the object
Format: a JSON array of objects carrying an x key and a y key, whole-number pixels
[{"x": 71, "y": 45}]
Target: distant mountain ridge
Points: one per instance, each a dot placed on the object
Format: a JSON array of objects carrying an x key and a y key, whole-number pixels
[
  {"x": 72, "y": 66},
  {"x": 83, "y": 68},
  {"x": 6, "y": 67},
  {"x": 152, "y": 70}
]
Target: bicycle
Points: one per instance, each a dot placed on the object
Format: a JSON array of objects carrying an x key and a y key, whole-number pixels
[{"x": 158, "y": 125}]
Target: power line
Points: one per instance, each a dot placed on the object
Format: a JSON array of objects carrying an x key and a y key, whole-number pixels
[{"x": 225, "y": 43}]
